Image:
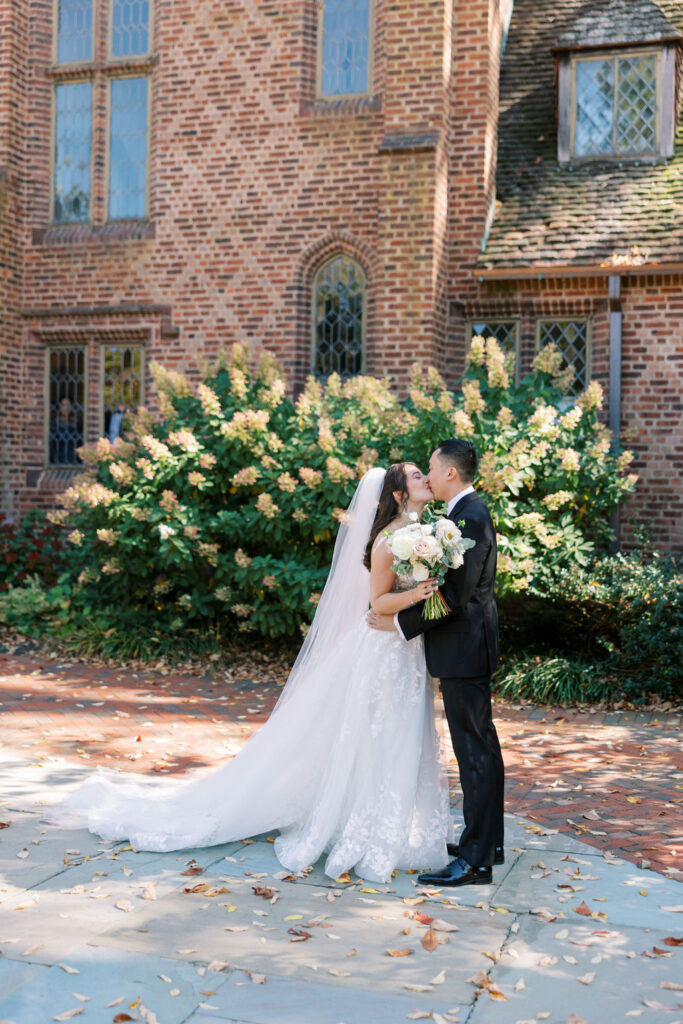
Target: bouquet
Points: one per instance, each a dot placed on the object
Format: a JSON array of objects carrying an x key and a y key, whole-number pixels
[{"x": 427, "y": 550}]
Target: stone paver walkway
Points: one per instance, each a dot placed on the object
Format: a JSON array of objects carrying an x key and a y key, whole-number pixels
[
  {"x": 613, "y": 779},
  {"x": 568, "y": 933}
]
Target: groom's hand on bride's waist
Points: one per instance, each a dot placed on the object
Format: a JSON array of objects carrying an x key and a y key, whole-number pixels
[{"x": 383, "y": 622}]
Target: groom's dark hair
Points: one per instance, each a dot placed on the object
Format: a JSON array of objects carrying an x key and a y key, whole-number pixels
[{"x": 462, "y": 455}]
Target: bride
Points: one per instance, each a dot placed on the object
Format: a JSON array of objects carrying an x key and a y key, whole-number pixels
[{"x": 348, "y": 762}]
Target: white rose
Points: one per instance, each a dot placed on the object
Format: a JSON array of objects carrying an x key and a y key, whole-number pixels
[
  {"x": 426, "y": 548},
  {"x": 456, "y": 559},
  {"x": 446, "y": 528},
  {"x": 401, "y": 545},
  {"x": 420, "y": 573},
  {"x": 426, "y": 530}
]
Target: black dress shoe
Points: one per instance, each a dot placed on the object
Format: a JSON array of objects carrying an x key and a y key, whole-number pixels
[
  {"x": 458, "y": 872},
  {"x": 499, "y": 856}
]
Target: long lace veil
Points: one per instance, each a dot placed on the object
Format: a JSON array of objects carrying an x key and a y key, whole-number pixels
[{"x": 346, "y": 594}]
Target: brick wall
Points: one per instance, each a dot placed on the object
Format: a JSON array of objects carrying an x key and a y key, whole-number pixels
[{"x": 12, "y": 109}]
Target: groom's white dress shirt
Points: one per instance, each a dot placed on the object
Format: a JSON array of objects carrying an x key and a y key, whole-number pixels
[{"x": 451, "y": 505}]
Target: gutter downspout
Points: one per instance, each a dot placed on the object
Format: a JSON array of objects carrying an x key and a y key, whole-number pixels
[{"x": 615, "y": 324}]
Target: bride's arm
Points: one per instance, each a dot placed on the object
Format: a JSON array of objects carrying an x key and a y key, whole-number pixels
[{"x": 382, "y": 579}]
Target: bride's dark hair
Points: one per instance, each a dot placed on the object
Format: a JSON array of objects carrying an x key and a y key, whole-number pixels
[{"x": 387, "y": 507}]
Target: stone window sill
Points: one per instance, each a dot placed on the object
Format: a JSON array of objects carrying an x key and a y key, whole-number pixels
[
  {"x": 348, "y": 105},
  {"x": 116, "y": 231}
]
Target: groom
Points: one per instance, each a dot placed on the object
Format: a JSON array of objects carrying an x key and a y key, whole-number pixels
[{"x": 462, "y": 650}]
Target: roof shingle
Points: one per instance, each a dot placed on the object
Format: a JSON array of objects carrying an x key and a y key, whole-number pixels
[
  {"x": 614, "y": 22},
  {"x": 582, "y": 214}
]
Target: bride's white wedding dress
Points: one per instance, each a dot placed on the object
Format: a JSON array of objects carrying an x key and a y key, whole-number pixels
[{"x": 347, "y": 764}]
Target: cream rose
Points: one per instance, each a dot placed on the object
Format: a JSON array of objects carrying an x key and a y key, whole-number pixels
[
  {"x": 420, "y": 573},
  {"x": 426, "y": 548}
]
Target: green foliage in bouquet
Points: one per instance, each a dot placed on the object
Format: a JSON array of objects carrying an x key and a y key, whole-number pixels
[{"x": 221, "y": 513}]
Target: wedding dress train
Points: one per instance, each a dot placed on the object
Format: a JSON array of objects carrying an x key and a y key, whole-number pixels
[{"x": 347, "y": 764}]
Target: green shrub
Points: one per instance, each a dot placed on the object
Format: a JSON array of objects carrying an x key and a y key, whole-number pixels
[
  {"x": 616, "y": 625},
  {"x": 221, "y": 513}
]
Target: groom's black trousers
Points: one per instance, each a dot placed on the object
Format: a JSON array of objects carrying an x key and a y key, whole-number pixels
[{"x": 467, "y": 703}]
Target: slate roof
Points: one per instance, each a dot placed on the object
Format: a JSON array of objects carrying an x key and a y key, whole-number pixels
[
  {"x": 577, "y": 214},
  {"x": 608, "y": 22}
]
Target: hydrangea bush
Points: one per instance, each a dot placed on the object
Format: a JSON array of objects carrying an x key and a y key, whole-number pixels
[{"x": 224, "y": 509}]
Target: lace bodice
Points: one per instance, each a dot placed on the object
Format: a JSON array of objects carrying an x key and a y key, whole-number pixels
[{"x": 402, "y": 583}]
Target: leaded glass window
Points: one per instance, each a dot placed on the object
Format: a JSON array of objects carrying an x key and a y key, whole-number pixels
[
  {"x": 338, "y": 318},
  {"x": 616, "y": 105},
  {"x": 74, "y": 31},
  {"x": 73, "y": 118},
  {"x": 130, "y": 28},
  {"x": 122, "y": 387},
  {"x": 66, "y": 368},
  {"x": 571, "y": 338},
  {"x": 128, "y": 149},
  {"x": 345, "y": 47}
]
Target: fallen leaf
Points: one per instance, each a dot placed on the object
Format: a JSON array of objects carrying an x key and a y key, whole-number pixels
[
  {"x": 22, "y": 855},
  {"x": 258, "y": 979},
  {"x": 495, "y": 992},
  {"x": 582, "y": 909},
  {"x": 419, "y": 1015},
  {"x": 439, "y": 979},
  {"x": 430, "y": 940},
  {"x": 115, "y": 1002},
  {"x": 120, "y": 1018},
  {"x": 294, "y": 917},
  {"x": 673, "y": 986},
  {"x": 422, "y": 918},
  {"x": 82, "y": 999},
  {"x": 653, "y": 1004},
  {"x": 419, "y": 988},
  {"x": 400, "y": 952},
  {"x": 124, "y": 905},
  {"x": 587, "y": 979},
  {"x": 218, "y": 965},
  {"x": 194, "y": 869},
  {"x": 444, "y": 926},
  {"x": 480, "y": 979},
  {"x": 339, "y": 974},
  {"x": 69, "y": 970},
  {"x": 68, "y": 1014},
  {"x": 634, "y": 799},
  {"x": 678, "y": 909},
  {"x": 260, "y": 890},
  {"x": 519, "y": 985},
  {"x": 671, "y": 940},
  {"x": 299, "y": 935},
  {"x": 573, "y": 1018}
]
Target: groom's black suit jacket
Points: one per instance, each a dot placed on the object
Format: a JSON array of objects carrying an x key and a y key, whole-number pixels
[{"x": 465, "y": 642}]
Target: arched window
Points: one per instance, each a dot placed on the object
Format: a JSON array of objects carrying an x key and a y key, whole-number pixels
[
  {"x": 345, "y": 44},
  {"x": 338, "y": 318}
]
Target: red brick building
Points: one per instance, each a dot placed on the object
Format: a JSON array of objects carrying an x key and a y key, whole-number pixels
[{"x": 350, "y": 184}]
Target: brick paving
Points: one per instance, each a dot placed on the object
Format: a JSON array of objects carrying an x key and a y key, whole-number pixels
[{"x": 614, "y": 779}]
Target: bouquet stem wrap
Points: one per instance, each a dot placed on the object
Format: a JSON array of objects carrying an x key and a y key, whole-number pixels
[{"x": 435, "y": 606}]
